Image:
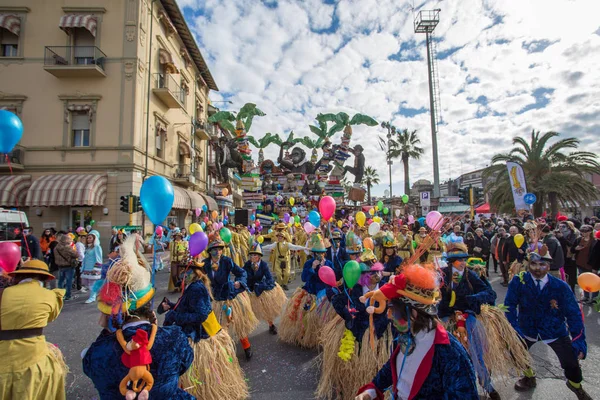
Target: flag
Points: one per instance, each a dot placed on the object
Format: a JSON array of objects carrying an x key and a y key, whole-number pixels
[{"x": 517, "y": 185}]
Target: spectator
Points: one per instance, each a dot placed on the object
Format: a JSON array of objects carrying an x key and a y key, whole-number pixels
[
  {"x": 457, "y": 230},
  {"x": 567, "y": 235},
  {"x": 92, "y": 264},
  {"x": 49, "y": 259},
  {"x": 80, "y": 248},
  {"x": 587, "y": 257},
  {"x": 65, "y": 258},
  {"x": 47, "y": 238},
  {"x": 112, "y": 243},
  {"x": 470, "y": 242},
  {"x": 481, "y": 248},
  {"x": 495, "y": 247},
  {"x": 555, "y": 250},
  {"x": 30, "y": 245}
]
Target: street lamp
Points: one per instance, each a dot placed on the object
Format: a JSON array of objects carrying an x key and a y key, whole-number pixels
[{"x": 391, "y": 131}]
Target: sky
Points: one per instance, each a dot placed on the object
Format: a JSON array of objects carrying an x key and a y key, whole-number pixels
[{"x": 505, "y": 68}]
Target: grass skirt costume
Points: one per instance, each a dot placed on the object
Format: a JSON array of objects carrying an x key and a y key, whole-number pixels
[
  {"x": 241, "y": 320},
  {"x": 300, "y": 322},
  {"x": 269, "y": 304}
]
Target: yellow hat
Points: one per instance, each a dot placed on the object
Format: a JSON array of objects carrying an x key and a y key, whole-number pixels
[{"x": 34, "y": 267}]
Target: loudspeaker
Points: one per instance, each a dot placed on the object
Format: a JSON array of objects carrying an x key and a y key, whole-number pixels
[{"x": 241, "y": 217}]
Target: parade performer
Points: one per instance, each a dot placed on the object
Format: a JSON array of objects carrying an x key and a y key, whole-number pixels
[
  {"x": 231, "y": 301},
  {"x": 336, "y": 253},
  {"x": 391, "y": 260},
  {"x": 300, "y": 239},
  {"x": 111, "y": 360},
  {"x": 543, "y": 308},
  {"x": 92, "y": 264},
  {"x": 353, "y": 247},
  {"x": 281, "y": 257},
  {"x": 355, "y": 344},
  {"x": 427, "y": 362},
  {"x": 179, "y": 255},
  {"x": 404, "y": 241},
  {"x": 266, "y": 296},
  {"x": 300, "y": 323},
  {"x": 462, "y": 298},
  {"x": 31, "y": 368},
  {"x": 215, "y": 373}
]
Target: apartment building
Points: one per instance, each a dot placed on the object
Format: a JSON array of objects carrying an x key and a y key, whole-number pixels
[{"x": 109, "y": 92}]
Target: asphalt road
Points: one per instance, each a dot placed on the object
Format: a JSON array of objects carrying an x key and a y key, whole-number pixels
[{"x": 279, "y": 371}]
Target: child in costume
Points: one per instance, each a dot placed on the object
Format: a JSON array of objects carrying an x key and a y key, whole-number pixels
[
  {"x": 125, "y": 303},
  {"x": 427, "y": 362},
  {"x": 215, "y": 373},
  {"x": 91, "y": 267},
  {"x": 543, "y": 308},
  {"x": 231, "y": 301},
  {"x": 266, "y": 296}
]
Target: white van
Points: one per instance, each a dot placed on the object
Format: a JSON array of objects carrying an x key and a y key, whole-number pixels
[{"x": 11, "y": 225}]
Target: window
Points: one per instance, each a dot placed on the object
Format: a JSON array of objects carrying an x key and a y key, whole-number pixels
[
  {"x": 184, "y": 91},
  {"x": 9, "y": 43},
  {"x": 80, "y": 127},
  {"x": 84, "y": 49},
  {"x": 161, "y": 134}
]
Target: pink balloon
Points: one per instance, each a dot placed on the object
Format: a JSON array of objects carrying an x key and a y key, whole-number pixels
[
  {"x": 327, "y": 207},
  {"x": 10, "y": 254},
  {"x": 411, "y": 219},
  {"x": 350, "y": 218},
  {"x": 434, "y": 220},
  {"x": 308, "y": 227},
  {"x": 198, "y": 212},
  {"x": 159, "y": 230},
  {"x": 327, "y": 276},
  {"x": 205, "y": 220}
]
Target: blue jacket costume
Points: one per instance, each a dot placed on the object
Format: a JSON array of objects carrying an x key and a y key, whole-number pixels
[
  {"x": 259, "y": 280},
  {"x": 310, "y": 277},
  {"x": 192, "y": 310},
  {"x": 549, "y": 314},
  {"x": 171, "y": 357},
  {"x": 468, "y": 298},
  {"x": 338, "y": 261},
  {"x": 222, "y": 288},
  {"x": 390, "y": 266},
  {"x": 449, "y": 377}
]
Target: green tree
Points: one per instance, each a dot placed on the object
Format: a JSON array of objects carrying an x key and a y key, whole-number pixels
[
  {"x": 370, "y": 178},
  {"x": 405, "y": 146},
  {"x": 263, "y": 142},
  {"x": 341, "y": 121},
  {"x": 552, "y": 174},
  {"x": 243, "y": 118}
]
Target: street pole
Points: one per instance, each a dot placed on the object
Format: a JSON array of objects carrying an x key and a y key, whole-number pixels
[
  {"x": 471, "y": 202},
  {"x": 434, "y": 147},
  {"x": 130, "y": 208}
]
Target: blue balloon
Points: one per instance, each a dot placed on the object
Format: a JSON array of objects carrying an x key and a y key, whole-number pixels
[
  {"x": 294, "y": 210},
  {"x": 252, "y": 217},
  {"x": 421, "y": 221},
  {"x": 204, "y": 208},
  {"x": 157, "y": 196},
  {"x": 203, "y": 224},
  {"x": 314, "y": 218},
  {"x": 11, "y": 131}
]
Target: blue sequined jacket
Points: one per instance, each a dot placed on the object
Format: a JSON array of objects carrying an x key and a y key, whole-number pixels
[
  {"x": 310, "y": 277},
  {"x": 191, "y": 311},
  {"x": 549, "y": 314},
  {"x": 222, "y": 288},
  {"x": 171, "y": 357},
  {"x": 259, "y": 280},
  {"x": 468, "y": 297}
]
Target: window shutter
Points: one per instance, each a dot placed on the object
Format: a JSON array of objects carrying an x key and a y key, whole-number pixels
[
  {"x": 9, "y": 38},
  {"x": 81, "y": 121}
]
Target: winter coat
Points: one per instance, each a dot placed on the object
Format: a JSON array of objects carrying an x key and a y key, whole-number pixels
[
  {"x": 468, "y": 297},
  {"x": 191, "y": 310},
  {"x": 310, "y": 277},
  {"x": 63, "y": 254},
  {"x": 556, "y": 252}
]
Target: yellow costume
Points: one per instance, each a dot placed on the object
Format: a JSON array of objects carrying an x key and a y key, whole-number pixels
[
  {"x": 31, "y": 368},
  {"x": 237, "y": 248},
  {"x": 280, "y": 260},
  {"x": 300, "y": 239},
  {"x": 405, "y": 248}
]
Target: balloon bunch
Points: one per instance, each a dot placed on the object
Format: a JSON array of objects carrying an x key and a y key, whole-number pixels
[{"x": 346, "y": 346}]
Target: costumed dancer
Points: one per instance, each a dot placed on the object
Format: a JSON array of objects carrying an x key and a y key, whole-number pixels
[
  {"x": 355, "y": 344},
  {"x": 337, "y": 253},
  {"x": 427, "y": 362},
  {"x": 300, "y": 239},
  {"x": 179, "y": 256},
  {"x": 31, "y": 368},
  {"x": 231, "y": 301},
  {"x": 266, "y": 296},
  {"x": 543, "y": 308},
  {"x": 281, "y": 257},
  {"x": 353, "y": 247},
  {"x": 462, "y": 299},
  {"x": 391, "y": 260},
  {"x": 300, "y": 323},
  {"x": 404, "y": 241},
  {"x": 215, "y": 373},
  {"x": 132, "y": 356}
]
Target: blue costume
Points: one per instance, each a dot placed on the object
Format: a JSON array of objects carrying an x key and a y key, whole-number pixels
[
  {"x": 171, "y": 357},
  {"x": 222, "y": 288},
  {"x": 192, "y": 309},
  {"x": 260, "y": 280},
  {"x": 338, "y": 260},
  {"x": 471, "y": 293},
  {"x": 310, "y": 276},
  {"x": 390, "y": 266}
]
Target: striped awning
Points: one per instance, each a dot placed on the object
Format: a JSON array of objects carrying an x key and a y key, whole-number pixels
[
  {"x": 210, "y": 202},
  {"x": 70, "y": 21},
  {"x": 182, "y": 200},
  {"x": 68, "y": 190},
  {"x": 184, "y": 148},
  {"x": 196, "y": 199},
  {"x": 13, "y": 190},
  {"x": 166, "y": 59},
  {"x": 11, "y": 23}
]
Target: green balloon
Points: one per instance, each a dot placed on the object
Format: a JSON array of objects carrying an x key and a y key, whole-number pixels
[
  {"x": 297, "y": 218},
  {"x": 225, "y": 235},
  {"x": 92, "y": 222},
  {"x": 414, "y": 244},
  {"x": 405, "y": 198},
  {"x": 380, "y": 205},
  {"x": 351, "y": 273},
  {"x": 386, "y": 210}
]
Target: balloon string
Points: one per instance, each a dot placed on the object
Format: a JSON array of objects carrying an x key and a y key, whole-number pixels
[
  {"x": 7, "y": 158},
  {"x": 153, "y": 270}
]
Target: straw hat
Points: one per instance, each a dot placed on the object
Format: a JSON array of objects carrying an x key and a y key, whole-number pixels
[
  {"x": 216, "y": 242},
  {"x": 456, "y": 251},
  {"x": 36, "y": 267},
  {"x": 280, "y": 226},
  {"x": 404, "y": 227},
  {"x": 336, "y": 234}
]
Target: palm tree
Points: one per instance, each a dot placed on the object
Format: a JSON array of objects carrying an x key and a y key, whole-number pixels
[
  {"x": 405, "y": 147},
  {"x": 263, "y": 142},
  {"x": 341, "y": 121},
  {"x": 370, "y": 178},
  {"x": 243, "y": 117},
  {"x": 551, "y": 174}
]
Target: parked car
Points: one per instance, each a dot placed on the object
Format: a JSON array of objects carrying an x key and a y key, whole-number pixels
[{"x": 12, "y": 223}]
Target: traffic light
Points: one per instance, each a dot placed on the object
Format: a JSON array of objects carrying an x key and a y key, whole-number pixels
[
  {"x": 124, "y": 204},
  {"x": 477, "y": 194},
  {"x": 137, "y": 204},
  {"x": 464, "y": 195}
]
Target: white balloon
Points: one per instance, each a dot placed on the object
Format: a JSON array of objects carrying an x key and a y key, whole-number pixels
[
  {"x": 397, "y": 213},
  {"x": 374, "y": 228}
]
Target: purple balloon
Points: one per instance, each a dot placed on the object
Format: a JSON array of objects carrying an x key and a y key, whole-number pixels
[
  {"x": 286, "y": 218},
  {"x": 252, "y": 230},
  {"x": 198, "y": 243}
]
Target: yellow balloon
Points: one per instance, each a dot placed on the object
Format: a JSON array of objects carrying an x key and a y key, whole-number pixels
[
  {"x": 339, "y": 224},
  {"x": 292, "y": 201},
  {"x": 297, "y": 224},
  {"x": 372, "y": 211},
  {"x": 194, "y": 228},
  {"x": 376, "y": 208},
  {"x": 519, "y": 240},
  {"x": 361, "y": 218},
  {"x": 376, "y": 219},
  {"x": 290, "y": 224},
  {"x": 225, "y": 192},
  {"x": 260, "y": 239}
]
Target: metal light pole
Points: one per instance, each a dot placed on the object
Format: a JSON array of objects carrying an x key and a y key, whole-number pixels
[{"x": 391, "y": 131}]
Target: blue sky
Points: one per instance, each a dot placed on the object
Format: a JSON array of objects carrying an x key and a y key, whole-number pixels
[{"x": 505, "y": 68}]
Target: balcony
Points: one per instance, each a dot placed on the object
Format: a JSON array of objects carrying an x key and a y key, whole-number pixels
[
  {"x": 16, "y": 159},
  {"x": 74, "y": 61},
  {"x": 205, "y": 130},
  {"x": 168, "y": 90},
  {"x": 185, "y": 176}
]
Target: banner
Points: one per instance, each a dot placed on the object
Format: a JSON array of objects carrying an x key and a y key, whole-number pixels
[{"x": 518, "y": 185}]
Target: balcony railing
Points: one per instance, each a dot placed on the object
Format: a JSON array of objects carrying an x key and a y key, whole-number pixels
[
  {"x": 184, "y": 172},
  {"x": 75, "y": 60},
  {"x": 169, "y": 91},
  {"x": 15, "y": 157}
]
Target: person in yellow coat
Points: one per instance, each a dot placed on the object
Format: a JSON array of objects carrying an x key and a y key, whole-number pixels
[
  {"x": 237, "y": 256},
  {"x": 300, "y": 239},
  {"x": 31, "y": 368},
  {"x": 281, "y": 258},
  {"x": 435, "y": 251},
  {"x": 280, "y": 227},
  {"x": 404, "y": 241}
]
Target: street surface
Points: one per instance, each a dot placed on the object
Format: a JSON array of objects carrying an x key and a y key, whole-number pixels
[{"x": 279, "y": 371}]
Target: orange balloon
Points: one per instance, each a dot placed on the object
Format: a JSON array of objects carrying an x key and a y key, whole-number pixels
[
  {"x": 215, "y": 214},
  {"x": 225, "y": 192},
  {"x": 589, "y": 282},
  {"x": 368, "y": 243}
]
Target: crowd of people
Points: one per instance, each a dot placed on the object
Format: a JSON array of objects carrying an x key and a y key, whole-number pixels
[{"x": 401, "y": 308}]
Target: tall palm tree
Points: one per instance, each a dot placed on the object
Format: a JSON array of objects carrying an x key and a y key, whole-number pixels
[
  {"x": 370, "y": 178},
  {"x": 551, "y": 174},
  {"x": 342, "y": 121},
  {"x": 263, "y": 142},
  {"x": 405, "y": 146},
  {"x": 243, "y": 117}
]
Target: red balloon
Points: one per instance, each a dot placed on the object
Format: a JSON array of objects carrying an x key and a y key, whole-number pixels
[
  {"x": 327, "y": 207},
  {"x": 10, "y": 254},
  {"x": 327, "y": 276}
]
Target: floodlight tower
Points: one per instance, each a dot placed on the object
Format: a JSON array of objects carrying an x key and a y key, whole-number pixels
[{"x": 425, "y": 22}]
